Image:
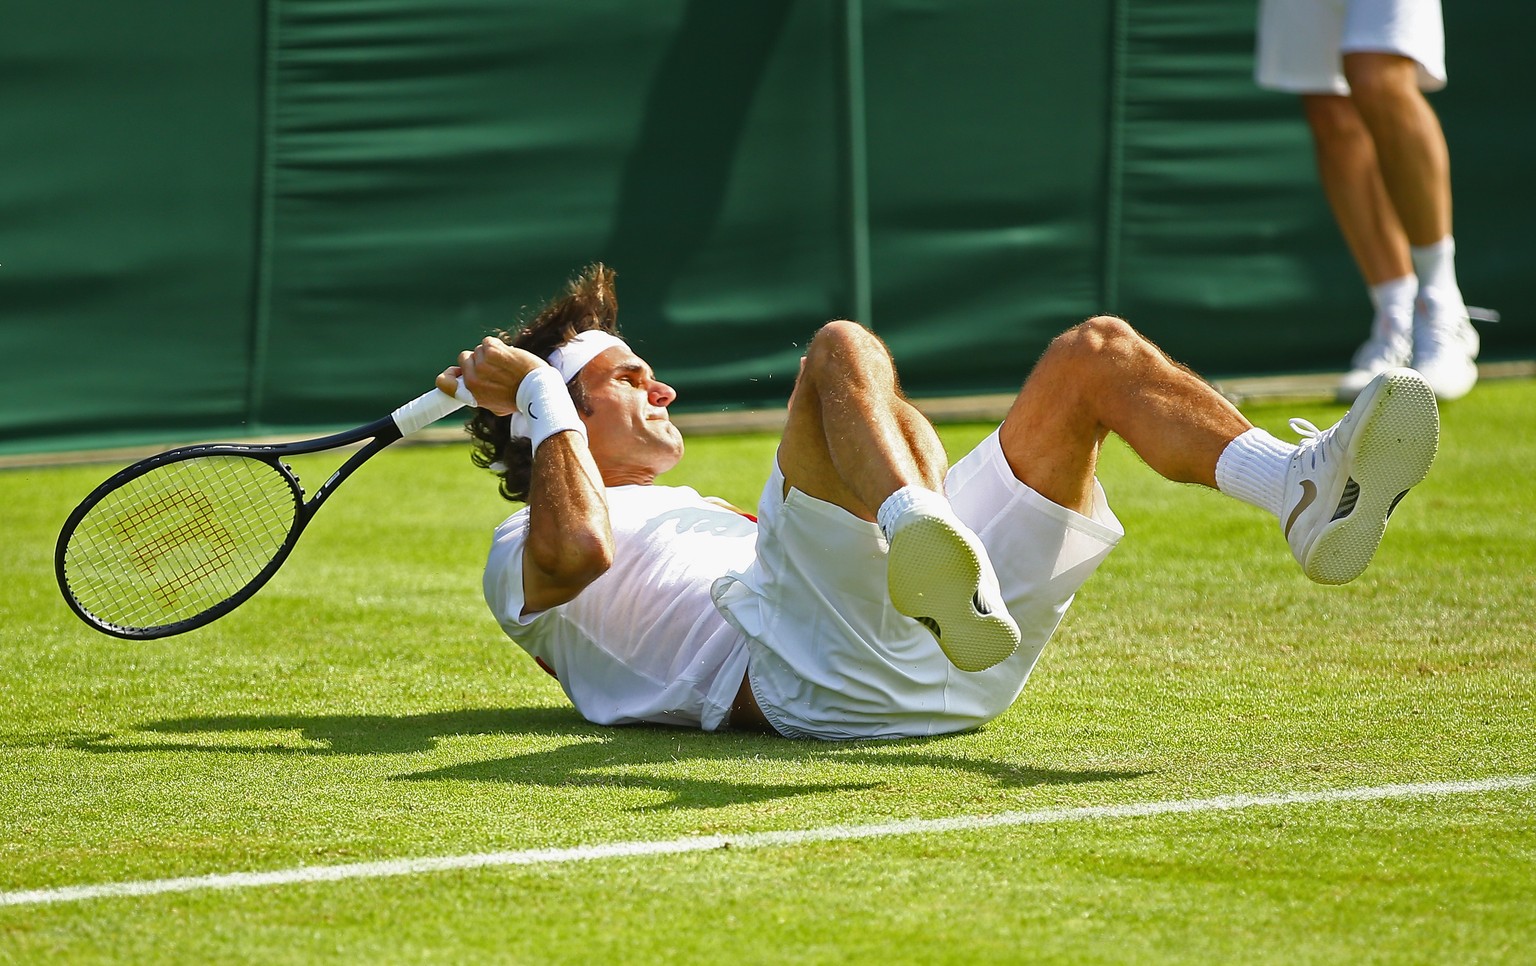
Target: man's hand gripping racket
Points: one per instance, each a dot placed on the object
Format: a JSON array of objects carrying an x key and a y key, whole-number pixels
[{"x": 180, "y": 539}]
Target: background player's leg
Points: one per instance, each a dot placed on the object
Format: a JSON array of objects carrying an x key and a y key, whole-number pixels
[
  {"x": 1350, "y": 173},
  {"x": 1410, "y": 145},
  {"x": 1416, "y": 169}
]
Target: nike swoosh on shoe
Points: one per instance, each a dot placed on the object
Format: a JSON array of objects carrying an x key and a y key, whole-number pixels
[{"x": 1308, "y": 495}]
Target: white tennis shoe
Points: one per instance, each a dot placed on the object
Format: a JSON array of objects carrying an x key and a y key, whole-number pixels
[
  {"x": 939, "y": 575},
  {"x": 1389, "y": 347},
  {"x": 1343, "y": 483},
  {"x": 1445, "y": 347}
]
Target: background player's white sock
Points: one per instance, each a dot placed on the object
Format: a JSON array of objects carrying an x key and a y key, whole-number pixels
[
  {"x": 1393, "y": 301},
  {"x": 1252, "y": 468},
  {"x": 1436, "y": 268}
]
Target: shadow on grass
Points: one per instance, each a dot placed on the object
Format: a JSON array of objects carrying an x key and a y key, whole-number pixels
[
  {"x": 350, "y": 734},
  {"x": 658, "y": 759}
]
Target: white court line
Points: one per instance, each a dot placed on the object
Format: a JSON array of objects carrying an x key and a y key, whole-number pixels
[{"x": 751, "y": 840}]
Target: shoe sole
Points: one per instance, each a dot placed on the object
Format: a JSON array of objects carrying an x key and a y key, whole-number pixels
[
  {"x": 1393, "y": 451},
  {"x": 934, "y": 577}
]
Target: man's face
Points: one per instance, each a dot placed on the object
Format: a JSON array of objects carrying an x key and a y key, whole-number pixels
[{"x": 628, "y": 431}]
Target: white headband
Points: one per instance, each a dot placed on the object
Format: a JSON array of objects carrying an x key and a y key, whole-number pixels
[
  {"x": 568, "y": 360},
  {"x": 572, "y": 357}
]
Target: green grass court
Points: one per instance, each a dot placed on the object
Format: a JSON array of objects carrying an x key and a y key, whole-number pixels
[{"x": 364, "y": 707}]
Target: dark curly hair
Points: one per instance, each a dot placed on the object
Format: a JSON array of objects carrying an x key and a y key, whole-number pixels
[{"x": 588, "y": 303}]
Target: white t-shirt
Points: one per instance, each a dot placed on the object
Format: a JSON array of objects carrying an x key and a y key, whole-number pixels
[{"x": 643, "y": 642}]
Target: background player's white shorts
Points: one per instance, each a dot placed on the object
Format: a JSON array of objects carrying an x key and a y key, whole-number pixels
[
  {"x": 1301, "y": 42},
  {"x": 831, "y": 658}
]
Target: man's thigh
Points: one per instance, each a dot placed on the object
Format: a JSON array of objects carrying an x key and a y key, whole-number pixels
[
  {"x": 805, "y": 456},
  {"x": 1050, "y": 440}
]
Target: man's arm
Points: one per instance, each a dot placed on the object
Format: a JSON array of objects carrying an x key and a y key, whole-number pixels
[{"x": 570, "y": 541}]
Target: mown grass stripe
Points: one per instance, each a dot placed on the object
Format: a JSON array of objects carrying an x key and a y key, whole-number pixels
[{"x": 754, "y": 840}]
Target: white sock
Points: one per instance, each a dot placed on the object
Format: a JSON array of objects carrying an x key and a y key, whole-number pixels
[
  {"x": 1436, "y": 268},
  {"x": 1252, "y": 468},
  {"x": 1393, "y": 301},
  {"x": 907, "y": 499}
]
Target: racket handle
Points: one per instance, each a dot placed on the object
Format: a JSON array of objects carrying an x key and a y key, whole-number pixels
[{"x": 429, "y": 407}]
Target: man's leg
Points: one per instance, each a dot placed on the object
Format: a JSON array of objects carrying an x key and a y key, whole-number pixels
[
  {"x": 1409, "y": 144},
  {"x": 1415, "y": 169},
  {"x": 852, "y": 439},
  {"x": 1348, "y": 168},
  {"x": 1333, "y": 493},
  {"x": 1104, "y": 377},
  {"x": 1351, "y": 179}
]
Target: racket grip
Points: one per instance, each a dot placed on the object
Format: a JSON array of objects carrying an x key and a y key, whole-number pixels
[{"x": 429, "y": 407}]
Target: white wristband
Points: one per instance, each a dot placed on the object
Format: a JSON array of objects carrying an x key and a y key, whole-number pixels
[{"x": 544, "y": 407}]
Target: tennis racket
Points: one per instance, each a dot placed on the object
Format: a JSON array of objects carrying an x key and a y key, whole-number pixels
[{"x": 180, "y": 539}]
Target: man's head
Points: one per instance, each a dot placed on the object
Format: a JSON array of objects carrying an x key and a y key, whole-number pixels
[
  {"x": 631, "y": 437},
  {"x": 615, "y": 392}
]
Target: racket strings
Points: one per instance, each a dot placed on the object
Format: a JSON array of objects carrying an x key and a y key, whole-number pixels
[{"x": 179, "y": 540}]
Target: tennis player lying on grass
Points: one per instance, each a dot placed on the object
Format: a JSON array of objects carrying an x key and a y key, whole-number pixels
[{"x": 881, "y": 592}]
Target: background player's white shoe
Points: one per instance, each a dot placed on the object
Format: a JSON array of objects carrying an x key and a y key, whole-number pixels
[
  {"x": 939, "y": 575},
  {"x": 1445, "y": 347},
  {"x": 1389, "y": 349},
  {"x": 1344, "y": 482}
]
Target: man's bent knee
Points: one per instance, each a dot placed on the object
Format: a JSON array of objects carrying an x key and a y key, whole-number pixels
[
  {"x": 1100, "y": 337},
  {"x": 845, "y": 346},
  {"x": 1103, "y": 347},
  {"x": 843, "y": 335}
]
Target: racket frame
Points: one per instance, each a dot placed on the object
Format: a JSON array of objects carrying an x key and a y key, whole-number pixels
[{"x": 380, "y": 433}]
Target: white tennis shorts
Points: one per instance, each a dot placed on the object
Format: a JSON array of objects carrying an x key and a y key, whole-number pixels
[
  {"x": 1301, "y": 42},
  {"x": 831, "y": 658}
]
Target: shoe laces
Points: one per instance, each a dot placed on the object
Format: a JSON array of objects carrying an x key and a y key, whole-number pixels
[{"x": 1314, "y": 441}]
